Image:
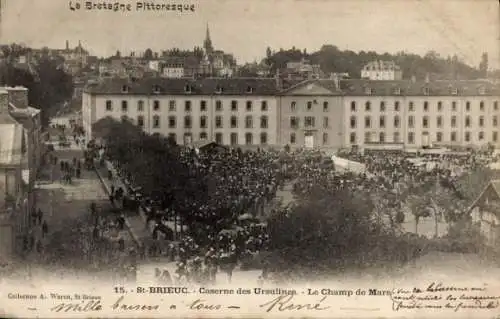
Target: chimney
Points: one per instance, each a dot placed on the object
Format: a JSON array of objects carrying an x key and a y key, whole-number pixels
[
  {"x": 18, "y": 96},
  {"x": 336, "y": 79},
  {"x": 67, "y": 45},
  {"x": 278, "y": 80}
]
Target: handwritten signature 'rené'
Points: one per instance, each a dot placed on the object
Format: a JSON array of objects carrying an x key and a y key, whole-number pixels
[{"x": 284, "y": 303}]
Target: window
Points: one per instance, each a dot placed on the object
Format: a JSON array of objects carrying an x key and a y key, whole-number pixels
[
  {"x": 140, "y": 121},
  {"x": 352, "y": 138},
  {"x": 263, "y": 122},
  {"x": 293, "y": 106},
  {"x": 482, "y": 90},
  {"x": 397, "y": 91},
  {"x": 218, "y": 105},
  {"x": 397, "y": 121},
  {"x": 467, "y": 106},
  {"x": 426, "y": 91},
  {"x": 454, "y": 106},
  {"x": 495, "y": 105},
  {"x": 218, "y": 138},
  {"x": 187, "y": 122},
  {"x": 219, "y": 89},
  {"x": 453, "y": 121},
  {"x": 353, "y": 106},
  {"x": 248, "y": 139},
  {"x": 467, "y": 121},
  {"x": 425, "y": 122},
  {"x": 309, "y": 121},
  {"x": 382, "y": 106},
  {"x": 172, "y": 122},
  {"x": 249, "y": 106},
  {"x": 495, "y": 136},
  {"x": 454, "y": 91},
  {"x": 156, "y": 89},
  {"x": 467, "y": 136},
  {"x": 495, "y": 121},
  {"x": 411, "y": 138},
  {"x": 234, "y": 105},
  {"x": 367, "y": 137},
  {"x": 353, "y": 122},
  {"x": 156, "y": 121},
  {"x": 439, "y": 121},
  {"x": 218, "y": 121},
  {"x": 367, "y": 106},
  {"x": 480, "y": 136},
  {"x": 234, "y": 122},
  {"x": 203, "y": 106},
  {"x": 426, "y": 106},
  {"x": 439, "y": 137},
  {"x": 109, "y": 105},
  {"x": 140, "y": 105},
  {"x": 188, "y": 138},
  {"x": 453, "y": 136},
  {"x": 325, "y": 106},
  {"x": 411, "y": 106},
  {"x": 368, "y": 122},
  {"x": 381, "y": 137},
  {"x": 440, "y": 106},
  {"x": 396, "y": 106},
  {"x": 125, "y": 89},
  {"x": 234, "y": 138},
  {"x": 203, "y": 135},
  {"x": 156, "y": 105},
  {"x": 481, "y": 121},
  {"x": 187, "y": 106},
  {"x": 382, "y": 122},
  {"x": 325, "y": 122},
  {"x": 411, "y": 121},
  {"x": 171, "y": 105},
  {"x": 368, "y": 91},
  {"x": 294, "y": 122},
  {"x": 187, "y": 88},
  {"x": 263, "y": 138},
  {"x": 309, "y": 105},
  {"x": 249, "y": 89},
  {"x": 293, "y": 138},
  {"x": 481, "y": 106},
  {"x": 203, "y": 122},
  {"x": 173, "y": 137},
  {"x": 124, "y": 106},
  {"x": 263, "y": 106},
  {"x": 325, "y": 138},
  {"x": 248, "y": 121},
  {"x": 396, "y": 137}
]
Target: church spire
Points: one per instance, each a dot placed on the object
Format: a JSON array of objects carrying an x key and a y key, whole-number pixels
[{"x": 207, "y": 44}]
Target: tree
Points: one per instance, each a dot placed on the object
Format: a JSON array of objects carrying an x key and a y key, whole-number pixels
[
  {"x": 483, "y": 65},
  {"x": 148, "y": 54}
]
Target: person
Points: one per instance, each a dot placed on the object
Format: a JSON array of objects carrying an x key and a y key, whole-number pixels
[
  {"x": 45, "y": 228},
  {"x": 40, "y": 216}
]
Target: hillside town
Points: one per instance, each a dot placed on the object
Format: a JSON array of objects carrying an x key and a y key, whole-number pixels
[{"x": 190, "y": 167}]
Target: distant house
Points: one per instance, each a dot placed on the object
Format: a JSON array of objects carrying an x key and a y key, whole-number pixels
[
  {"x": 485, "y": 213},
  {"x": 382, "y": 70}
]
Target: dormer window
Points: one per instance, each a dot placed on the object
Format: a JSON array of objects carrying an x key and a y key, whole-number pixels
[
  {"x": 397, "y": 91},
  {"x": 426, "y": 91},
  {"x": 454, "y": 91},
  {"x": 218, "y": 89},
  {"x": 368, "y": 91},
  {"x": 249, "y": 89},
  {"x": 156, "y": 89},
  {"x": 125, "y": 89},
  {"x": 187, "y": 88},
  {"x": 482, "y": 90}
]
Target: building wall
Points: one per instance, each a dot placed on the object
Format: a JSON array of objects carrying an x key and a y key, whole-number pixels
[
  {"x": 325, "y": 136},
  {"x": 382, "y": 74},
  {"x": 170, "y": 72},
  {"x": 439, "y": 129}
]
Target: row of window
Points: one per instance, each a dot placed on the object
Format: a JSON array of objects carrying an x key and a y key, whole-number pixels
[
  {"x": 425, "y": 121},
  {"x": 187, "y": 105},
  {"x": 293, "y": 138},
  {"x": 309, "y": 122},
  {"x": 411, "y": 137},
  {"x": 233, "y": 138},
  {"x": 309, "y": 105},
  {"x": 187, "y": 89},
  {"x": 425, "y": 105},
  {"x": 188, "y": 121}
]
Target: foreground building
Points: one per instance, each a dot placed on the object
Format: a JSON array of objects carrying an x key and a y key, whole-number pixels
[{"x": 329, "y": 114}]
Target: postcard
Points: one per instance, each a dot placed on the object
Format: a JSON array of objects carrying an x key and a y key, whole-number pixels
[{"x": 249, "y": 159}]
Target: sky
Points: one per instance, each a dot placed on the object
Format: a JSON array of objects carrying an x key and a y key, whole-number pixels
[{"x": 246, "y": 27}]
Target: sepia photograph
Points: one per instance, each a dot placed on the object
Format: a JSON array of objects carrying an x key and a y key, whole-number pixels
[{"x": 250, "y": 158}]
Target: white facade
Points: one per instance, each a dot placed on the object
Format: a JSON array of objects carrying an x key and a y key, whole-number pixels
[{"x": 382, "y": 70}]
